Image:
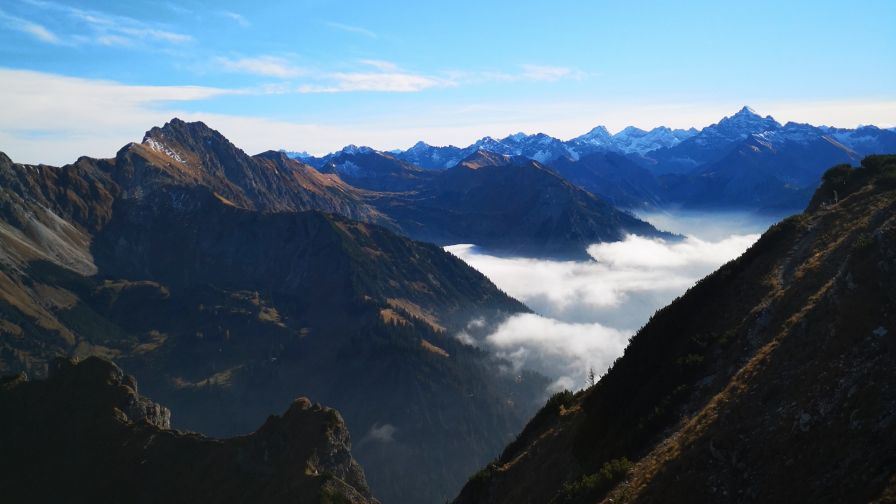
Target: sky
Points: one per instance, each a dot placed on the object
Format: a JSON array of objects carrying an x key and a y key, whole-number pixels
[{"x": 88, "y": 77}]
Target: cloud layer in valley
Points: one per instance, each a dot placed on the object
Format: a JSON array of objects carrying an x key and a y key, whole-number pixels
[{"x": 587, "y": 310}]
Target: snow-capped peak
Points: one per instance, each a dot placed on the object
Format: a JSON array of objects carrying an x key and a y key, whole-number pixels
[
  {"x": 419, "y": 146},
  {"x": 635, "y": 140},
  {"x": 354, "y": 149},
  {"x": 296, "y": 154}
]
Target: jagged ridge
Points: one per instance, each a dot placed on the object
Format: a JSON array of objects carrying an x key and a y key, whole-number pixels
[{"x": 86, "y": 435}]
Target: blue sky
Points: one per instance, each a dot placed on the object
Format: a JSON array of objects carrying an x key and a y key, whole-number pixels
[{"x": 86, "y": 77}]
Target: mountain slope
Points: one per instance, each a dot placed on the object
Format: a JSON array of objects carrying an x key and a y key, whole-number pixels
[
  {"x": 613, "y": 177},
  {"x": 771, "y": 380},
  {"x": 366, "y": 168},
  {"x": 192, "y": 154},
  {"x": 509, "y": 205},
  {"x": 225, "y": 311},
  {"x": 87, "y": 424}
]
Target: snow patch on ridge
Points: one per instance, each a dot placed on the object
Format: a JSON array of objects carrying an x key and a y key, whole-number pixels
[{"x": 157, "y": 146}]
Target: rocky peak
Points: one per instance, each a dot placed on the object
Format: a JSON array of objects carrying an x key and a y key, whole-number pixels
[
  {"x": 106, "y": 386},
  {"x": 482, "y": 158},
  {"x": 748, "y": 111},
  {"x": 597, "y": 137},
  {"x": 308, "y": 426},
  {"x": 87, "y": 419},
  {"x": 193, "y": 143},
  {"x": 278, "y": 157},
  {"x": 419, "y": 146},
  {"x": 744, "y": 122}
]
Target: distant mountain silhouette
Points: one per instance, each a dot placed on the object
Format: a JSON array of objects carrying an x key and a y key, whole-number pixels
[{"x": 743, "y": 162}]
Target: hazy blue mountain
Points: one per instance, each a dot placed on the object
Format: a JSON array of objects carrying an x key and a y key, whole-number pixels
[
  {"x": 617, "y": 178},
  {"x": 509, "y": 205},
  {"x": 365, "y": 168},
  {"x": 745, "y": 161}
]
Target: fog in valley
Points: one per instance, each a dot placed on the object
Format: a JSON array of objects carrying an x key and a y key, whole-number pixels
[{"x": 585, "y": 311}]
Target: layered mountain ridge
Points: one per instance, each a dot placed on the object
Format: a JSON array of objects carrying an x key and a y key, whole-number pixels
[
  {"x": 743, "y": 162},
  {"x": 510, "y": 205},
  {"x": 229, "y": 284},
  {"x": 506, "y": 204}
]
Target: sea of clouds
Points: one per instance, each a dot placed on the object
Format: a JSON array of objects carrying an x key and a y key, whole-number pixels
[{"x": 586, "y": 311}]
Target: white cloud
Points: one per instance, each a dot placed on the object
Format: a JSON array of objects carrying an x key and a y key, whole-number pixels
[
  {"x": 386, "y": 77},
  {"x": 385, "y": 66},
  {"x": 351, "y": 29},
  {"x": 373, "y": 81},
  {"x": 377, "y": 433},
  {"x": 37, "y": 31},
  {"x": 550, "y": 345},
  {"x": 97, "y": 117},
  {"x": 526, "y": 73},
  {"x": 620, "y": 271},
  {"x": 236, "y": 18},
  {"x": 268, "y": 66},
  {"x": 588, "y": 309},
  {"x": 95, "y": 27},
  {"x": 53, "y": 119},
  {"x": 549, "y": 73}
]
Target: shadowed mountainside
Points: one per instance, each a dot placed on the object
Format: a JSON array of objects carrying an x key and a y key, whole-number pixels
[
  {"x": 509, "y": 205},
  {"x": 771, "y": 380},
  {"x": 180, "y": 260},
  {"x": 86, "y": 435}
]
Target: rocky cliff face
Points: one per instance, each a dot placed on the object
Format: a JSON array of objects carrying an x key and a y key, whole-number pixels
[
  {"x": 86, "y": 435},
  {"x": 771, "y": 380}
]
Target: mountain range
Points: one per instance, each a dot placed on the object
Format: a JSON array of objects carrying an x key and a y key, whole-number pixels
[
  {"x": 506, "y": 204},
  {"x": 229, "y": 284},
  {"x": 743, "y": 162}
]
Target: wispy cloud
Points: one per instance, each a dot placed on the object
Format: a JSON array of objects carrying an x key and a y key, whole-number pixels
[
  {"x": 94, "y": 117},
  {"x": 385, "y": 66},
  {"x": 523, "y": 73},
  {"x": 236, "y": 18},
  {"x": 91, "y": 26},
  {"x": 549, "y": 73},
  {"x": 128, "y": 110},
  {"x": 351, "y": 29},
  {"x": 267, "y": 66},
  {"x": 36, "y": 30},
  {"x": 385, "y": 77}
]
